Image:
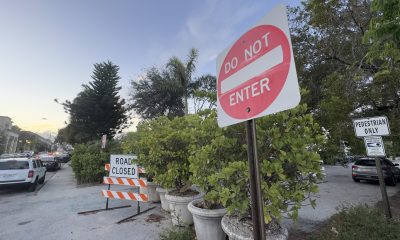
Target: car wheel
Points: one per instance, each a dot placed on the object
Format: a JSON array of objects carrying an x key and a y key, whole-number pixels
[
  {"x": 393, "y": 181},
  {"x": 32, "y": 186},
  {"x": 42, "y": 180},
  {"x": 356, "y": 180}
]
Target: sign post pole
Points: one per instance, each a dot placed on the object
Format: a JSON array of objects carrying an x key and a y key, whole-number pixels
[
  {"x": 255, "y": 183},
  {"x": 109, "y": 185},
  {"x": 385, "y": 199}
]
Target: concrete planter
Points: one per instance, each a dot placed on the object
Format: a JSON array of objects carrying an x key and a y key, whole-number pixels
[
  {"x": 207, "y": 223},
  {"x": 237, "y": 230},
  {"x": 164, "y": 203},
  {"x": 150, "y": 190},
  {"x": 178, "y": 206}
]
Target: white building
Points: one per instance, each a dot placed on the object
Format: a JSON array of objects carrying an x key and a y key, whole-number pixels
[{"x": 10, "y": 141}]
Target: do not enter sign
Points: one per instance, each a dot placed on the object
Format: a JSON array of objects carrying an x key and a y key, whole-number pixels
[{"x": 257, "y": 75}]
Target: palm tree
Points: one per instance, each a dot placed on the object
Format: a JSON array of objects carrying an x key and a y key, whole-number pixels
[
  {"x": 165, "y": 91},
  {"x": 157, "y": 94},
  {"x": 182, "y": 73}
]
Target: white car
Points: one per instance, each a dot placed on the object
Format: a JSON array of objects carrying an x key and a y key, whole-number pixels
[{"x": 26, "y": 172}]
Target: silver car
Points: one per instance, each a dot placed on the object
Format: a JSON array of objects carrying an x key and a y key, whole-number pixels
[{"x": 365, "y": 169}]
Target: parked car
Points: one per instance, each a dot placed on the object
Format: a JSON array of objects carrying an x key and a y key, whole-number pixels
[
  {"x": 365, "y": 169},
  {"x": 63, "y": 156},
  {"x": 26, "y": 172},
  {"x": 50, "y": 161},
  {"x": 15, "y": 155},
  {"x": 6, "y": 155},
  {"x": 29, "y": 153}
]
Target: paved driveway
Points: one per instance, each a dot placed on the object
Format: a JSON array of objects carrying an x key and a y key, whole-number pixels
[{"x": 337, "y": 190}]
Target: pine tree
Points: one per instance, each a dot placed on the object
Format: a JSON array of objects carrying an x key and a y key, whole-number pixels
[{"x": 98, "y": 109}]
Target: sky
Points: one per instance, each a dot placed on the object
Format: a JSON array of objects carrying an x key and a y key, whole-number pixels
[{"x": 48, "y": 47}]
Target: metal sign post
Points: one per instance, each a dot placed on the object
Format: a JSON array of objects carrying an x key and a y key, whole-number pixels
[
  {"x": 255, "y": 183},
  {"x": 385, "y": 199},
  {"x": 109, "y": 185}
]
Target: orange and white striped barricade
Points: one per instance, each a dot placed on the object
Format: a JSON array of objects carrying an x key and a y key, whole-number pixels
[
  {"x": 125, "y": 181},
  {"x": 125, "y": 195},
  {"x": 123, "y": 172}
]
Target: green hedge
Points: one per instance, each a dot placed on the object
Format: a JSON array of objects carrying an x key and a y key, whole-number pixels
[
  {"x": 359, "y": 222},
  {"x": 88, "y": 161}
]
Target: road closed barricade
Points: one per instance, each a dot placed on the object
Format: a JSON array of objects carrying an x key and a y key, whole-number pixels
[{"x": 123, "y": 171}]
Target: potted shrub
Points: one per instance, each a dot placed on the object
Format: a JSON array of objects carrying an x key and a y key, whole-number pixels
[
  {"x": 151, "y": 189},
  {"x": 211, "y": 151},
  {"x": 130, "y": 144},
  {"x": 288, "y": 145},
  {"x": 164, "y": 152}
]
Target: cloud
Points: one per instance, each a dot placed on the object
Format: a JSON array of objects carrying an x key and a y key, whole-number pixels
[{"x": 213, "y": 27}]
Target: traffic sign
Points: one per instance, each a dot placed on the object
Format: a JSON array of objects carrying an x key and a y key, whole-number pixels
[
  {"x": 374, "y": 146},
  {"x": 123, "y": 166},
  {"x": 256, "y": 76},
  {"x": 374, "y": 126}
]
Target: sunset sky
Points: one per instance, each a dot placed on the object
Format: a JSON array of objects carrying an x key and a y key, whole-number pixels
[{"x": 48, "y": 48}]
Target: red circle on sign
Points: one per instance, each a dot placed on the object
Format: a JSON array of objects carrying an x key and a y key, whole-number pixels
[{"x": 254, "y": 72}]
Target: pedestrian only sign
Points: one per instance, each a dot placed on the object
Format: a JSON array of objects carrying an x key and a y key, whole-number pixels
[
  {"x": 374, "y": 146},
  {"x": 256, "y": 76},
  {"x": 372, "y": 129},
  {"x": 123, "y": 166},
  {"x": 374, "y": 126}
]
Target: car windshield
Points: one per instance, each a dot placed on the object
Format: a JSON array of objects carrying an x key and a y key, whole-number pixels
[
  {"x": 365, "y": 162},
  {"x": 13, "y": 164},
  {"x": 47, "y": 158}
]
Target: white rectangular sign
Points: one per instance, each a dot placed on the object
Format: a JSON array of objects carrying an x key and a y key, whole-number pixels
[
  {"x": 374, "y": 126},
  {"x": 374, "y": 146},
  {"x": 123, "y": 166},
  {"x": 103, "y": 141}
]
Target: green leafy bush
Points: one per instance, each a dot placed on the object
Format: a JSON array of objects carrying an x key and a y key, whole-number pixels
[
  {"x": 211, "y": 151},
  {"x": 288, "y": 144},
  {"x": 163, "y": 149},
  {"x": 194, "y": 149},
  {"x": 88, "y": 161},
  {"x": 359, "y": 222},
  {"x": 185, "y": 233}
]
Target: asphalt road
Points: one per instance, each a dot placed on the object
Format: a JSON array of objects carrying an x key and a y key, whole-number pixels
[
  {"x": 11, "y": 191},
  {"x": 51, "y": 212}
]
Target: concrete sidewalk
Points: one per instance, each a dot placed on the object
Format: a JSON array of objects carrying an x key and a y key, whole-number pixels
[{"x": 52, "y": 213}]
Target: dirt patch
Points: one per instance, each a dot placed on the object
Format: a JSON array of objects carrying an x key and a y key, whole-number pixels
[
  {"x": 202, "y": 205},
  {"x": 187, "y": 193},
  {"x": 154, "y": 218},
  {"x": 297, "y": 234}
]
